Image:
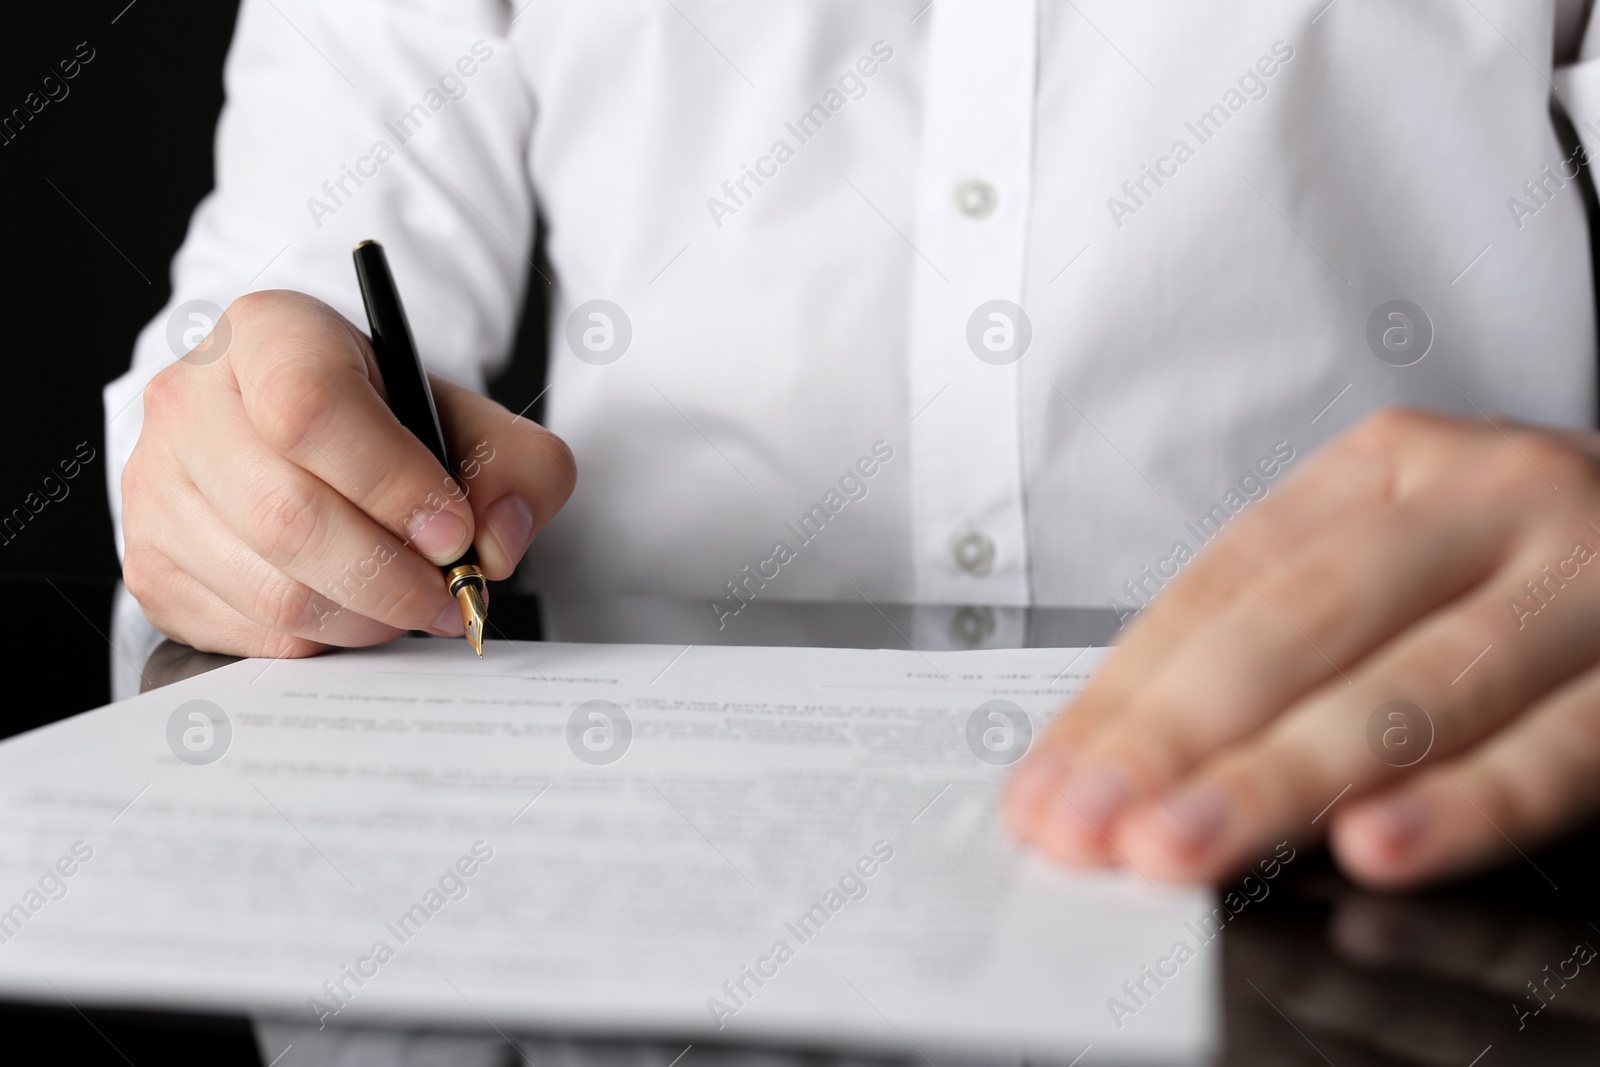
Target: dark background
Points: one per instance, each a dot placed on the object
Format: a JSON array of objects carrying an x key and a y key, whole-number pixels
[{"x": 99, "y": 186}]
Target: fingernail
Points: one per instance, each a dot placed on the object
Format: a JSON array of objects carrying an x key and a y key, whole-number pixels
[
  {"x": 1197, "y": 815},
  {"x": 1399, "y": 822},
  {"x": 441, "y": 536},
  {"x": 511, "y": 522},
  {"x": 1036, "y": 780},
  {"x": 1096, "y": 795},
  {"x": 449, "y": 621}
]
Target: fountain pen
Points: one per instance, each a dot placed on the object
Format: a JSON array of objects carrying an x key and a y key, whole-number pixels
[{"x": 411, "y": 400}]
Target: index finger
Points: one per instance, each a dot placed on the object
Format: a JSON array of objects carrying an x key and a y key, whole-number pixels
[
  {"x": 311, "y": 390},
  {"x": 1362, "y": 467}
]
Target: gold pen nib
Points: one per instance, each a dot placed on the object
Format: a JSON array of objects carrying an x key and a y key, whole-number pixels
[{"x": 471, "y": 590}]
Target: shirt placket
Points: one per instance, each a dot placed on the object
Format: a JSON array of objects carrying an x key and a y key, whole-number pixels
[{"x": 968, "y": 331}]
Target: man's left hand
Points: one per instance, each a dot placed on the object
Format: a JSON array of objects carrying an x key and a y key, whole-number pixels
[{"x": 1448, "y": 564}]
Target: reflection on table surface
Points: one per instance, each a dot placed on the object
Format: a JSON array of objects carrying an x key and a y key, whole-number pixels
[
  {"x": 1314, "y": 973},
  {"x": 653, "y": 620},
  {"x": 1501, "y": 970},
  {"x": 1331, "y": 974}
]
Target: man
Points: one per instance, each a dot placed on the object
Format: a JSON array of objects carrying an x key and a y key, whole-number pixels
[{"x": 1084, "y": 281}]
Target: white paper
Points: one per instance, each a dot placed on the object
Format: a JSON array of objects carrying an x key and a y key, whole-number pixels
[{"x": 630, "y": 898}]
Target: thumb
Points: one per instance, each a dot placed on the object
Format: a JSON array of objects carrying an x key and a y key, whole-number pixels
[{"x": 516, "y": 473}]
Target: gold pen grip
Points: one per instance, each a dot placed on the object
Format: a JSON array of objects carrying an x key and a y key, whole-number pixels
[{"x": 471, "y": 590}]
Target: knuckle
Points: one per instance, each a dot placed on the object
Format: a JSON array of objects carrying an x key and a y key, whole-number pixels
[
  {"x": 143, "y": 576},
  {"x": 1288, "y": 770},
  {"x": 1552, "y": 458},
  {"x": 1504, "y": 801},
  {"x": 402, "y": 493},
  {"x": 1432, "y": 665},
  {"x": 271, "y": 314},
  {"x": 294, "y": 399},
  {"x": 1518, "y": 468},
  {"x": 164, "y": 395},
  {"x": 286, "y": 523},
  {"x": 1158, "y": 758},
  {"x": 280, "y": 603},
  {"x": 1159, "y": 736},
  {"x": 1391, "y": 432},
  {"x": 1504, "y": 469},
  {"x": 1389, "y": 427},
  {"x": 256, "y": 305},
  {"x": 556, "y": 457},
  {"x": 1403, "y": 421}
]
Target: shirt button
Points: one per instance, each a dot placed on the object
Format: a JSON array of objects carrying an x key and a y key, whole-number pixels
[
  {"x": 974, "y": 553},
  {"x": 975, "y": 199},
  {"x": 972, "y": 626}
]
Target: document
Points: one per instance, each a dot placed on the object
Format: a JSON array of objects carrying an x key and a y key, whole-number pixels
[{"x": 747, "y": 846}]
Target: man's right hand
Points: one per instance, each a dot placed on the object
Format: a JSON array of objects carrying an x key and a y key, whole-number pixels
[{"x": 273, "y": 505}]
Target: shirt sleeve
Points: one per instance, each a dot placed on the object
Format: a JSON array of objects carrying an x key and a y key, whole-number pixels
[
  {"x": 1577, "y": 76},
  {"x": 406, "y": 121}
]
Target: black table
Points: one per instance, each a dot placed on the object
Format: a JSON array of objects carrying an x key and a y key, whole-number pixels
[{"x": 1315, "y": 971}]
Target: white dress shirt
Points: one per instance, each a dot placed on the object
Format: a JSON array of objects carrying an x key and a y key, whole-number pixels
[{"x": 805, "y": 208}]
